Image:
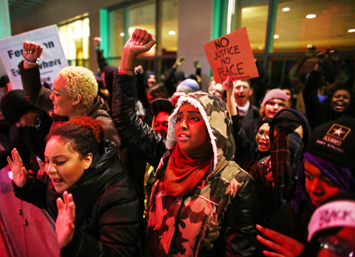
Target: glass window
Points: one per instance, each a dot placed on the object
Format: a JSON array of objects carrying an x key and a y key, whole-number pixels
[
  {"x": 169, "y": 36},
  {"x": 169, "y": 28},
  {"x": 121, "y": 24},
  {"x": 253, "y": 16},
  {"x": 74, "y": 37},
  {"x": 142, "y": 16},
  {"x": 322, "y": 23},
  {"x": 123, "y": 21},
  {"x": 117, "y": 36}
]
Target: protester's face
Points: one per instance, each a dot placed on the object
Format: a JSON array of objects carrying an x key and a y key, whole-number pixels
[
  {"x": 190, "y": 129},
  {"x": 340, "y": 100},
  {"x": 151, "y": 80},
  {"x": 64, "y": 165},
  {"x": 273, "y": 106},
  {"x": 318, "y": 186},
  {"x": 338, "y": 245},
  {"x": 262, "y": 138},
  {"x": 161, "y": 124},
  {"x": 242, "y": 92},
  {"x": 216, "y": 90},
  {"x": 62, "y": 101},
  {"x": 27, "y": 120}
]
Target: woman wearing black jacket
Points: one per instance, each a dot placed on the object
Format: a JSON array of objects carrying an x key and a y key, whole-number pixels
[
  {"x": 89, "y": 194},
  {"x": 231, "y": 230},
  {"x": 338, "y": 103}
]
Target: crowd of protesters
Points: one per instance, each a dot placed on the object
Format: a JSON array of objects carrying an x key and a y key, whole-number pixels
[{"x": 127, "y": 166}]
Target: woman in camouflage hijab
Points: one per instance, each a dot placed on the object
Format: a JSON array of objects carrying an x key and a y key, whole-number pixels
[{"x": 202, "y": 202}]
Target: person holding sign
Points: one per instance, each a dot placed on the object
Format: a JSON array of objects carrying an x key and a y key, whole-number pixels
[
  {"x": 89, "y": 194},
  {"x": 74, "y": 92},
  {"x": 202, "y": 203},
  {"x": 242, "y": 93}
]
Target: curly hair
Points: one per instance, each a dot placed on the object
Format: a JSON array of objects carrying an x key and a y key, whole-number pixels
[
  {"x": 80, "y": 80},
  {"x": 84, "y": 135}
]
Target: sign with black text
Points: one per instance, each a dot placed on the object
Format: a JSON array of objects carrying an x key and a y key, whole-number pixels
[
  {"x": 51, "y": 61},
  {"x": 231, "y": 56}
]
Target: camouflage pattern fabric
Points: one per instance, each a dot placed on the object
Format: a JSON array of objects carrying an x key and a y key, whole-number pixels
[{"x": 190, "y": 225}]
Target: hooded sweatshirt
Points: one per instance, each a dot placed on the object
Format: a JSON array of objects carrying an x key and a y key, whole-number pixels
[{"x": 220, "y": 214}]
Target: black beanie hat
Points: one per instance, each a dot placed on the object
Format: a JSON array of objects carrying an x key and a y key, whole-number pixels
[
  {"x": 291, "y": 115},
  {"x": 14, "y": 105},
  {"x": 146, "y": 77},
  {"x": 334, "y": 141}
]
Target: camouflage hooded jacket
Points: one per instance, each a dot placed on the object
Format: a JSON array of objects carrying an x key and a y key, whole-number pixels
[{"x": 216, "y": 218}]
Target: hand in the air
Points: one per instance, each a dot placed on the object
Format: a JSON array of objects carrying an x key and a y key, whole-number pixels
[
  {"x": 19, "y": 173},
  {"x": 64, "y": 226},
  {"x": 31, "y": 51}
]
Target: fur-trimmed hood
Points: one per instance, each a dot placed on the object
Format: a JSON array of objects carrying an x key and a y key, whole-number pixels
[{"x": 218, "y": 121}]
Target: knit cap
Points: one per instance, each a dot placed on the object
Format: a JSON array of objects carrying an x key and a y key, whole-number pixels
[
  {"x": 334, "y": 141},
  {"x": 146, "y": 77},
  {"x": 293, "y": 117},
  {"x": 187, "y": 86},
  {"x": 274, "y": 93},
  {"x": 14, "y": 105}
]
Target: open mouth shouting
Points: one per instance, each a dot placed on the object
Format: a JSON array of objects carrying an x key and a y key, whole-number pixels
[
  {"x": 263, "y": 146},
  {"x": 56, "y": 181}
]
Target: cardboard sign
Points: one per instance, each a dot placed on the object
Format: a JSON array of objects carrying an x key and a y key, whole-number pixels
[
  {"x": 51, "y": 61},
  {"x": 231, "y": 55}
]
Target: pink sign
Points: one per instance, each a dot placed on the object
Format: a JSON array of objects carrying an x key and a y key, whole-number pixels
[{"x": 231, "y": 55}]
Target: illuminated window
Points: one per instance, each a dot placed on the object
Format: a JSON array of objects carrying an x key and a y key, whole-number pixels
[
  {"x": 117, "y": 35},
  {"x": 74, "y": 36},
  {"x": 322, "y": 23},
  {"x": 123, "y": 20},
  {"x": 169, "y": 28},
  {"x": 142, "y": 16},
  {"x": 254, "y": 18}
]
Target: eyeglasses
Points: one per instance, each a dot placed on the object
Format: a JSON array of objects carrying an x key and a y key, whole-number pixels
[
  {"x": 336, "y": 248},
  {"x": 264, "y": 133}
]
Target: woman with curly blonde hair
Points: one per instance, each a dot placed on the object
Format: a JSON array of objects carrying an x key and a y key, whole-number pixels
[{"x": 74, "y": 92}]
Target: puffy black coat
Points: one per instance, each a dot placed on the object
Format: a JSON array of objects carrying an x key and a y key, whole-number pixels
[{"x": 107, "y": 209}]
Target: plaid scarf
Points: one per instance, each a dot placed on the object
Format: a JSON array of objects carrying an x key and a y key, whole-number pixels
[{"x": 280, "y": 166}]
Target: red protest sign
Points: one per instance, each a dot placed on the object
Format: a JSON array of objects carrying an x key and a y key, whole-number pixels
[{"x": 231, "y": 55}]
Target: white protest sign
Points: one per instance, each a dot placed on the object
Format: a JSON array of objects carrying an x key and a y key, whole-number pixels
[{"x": 51, "y": 61}]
